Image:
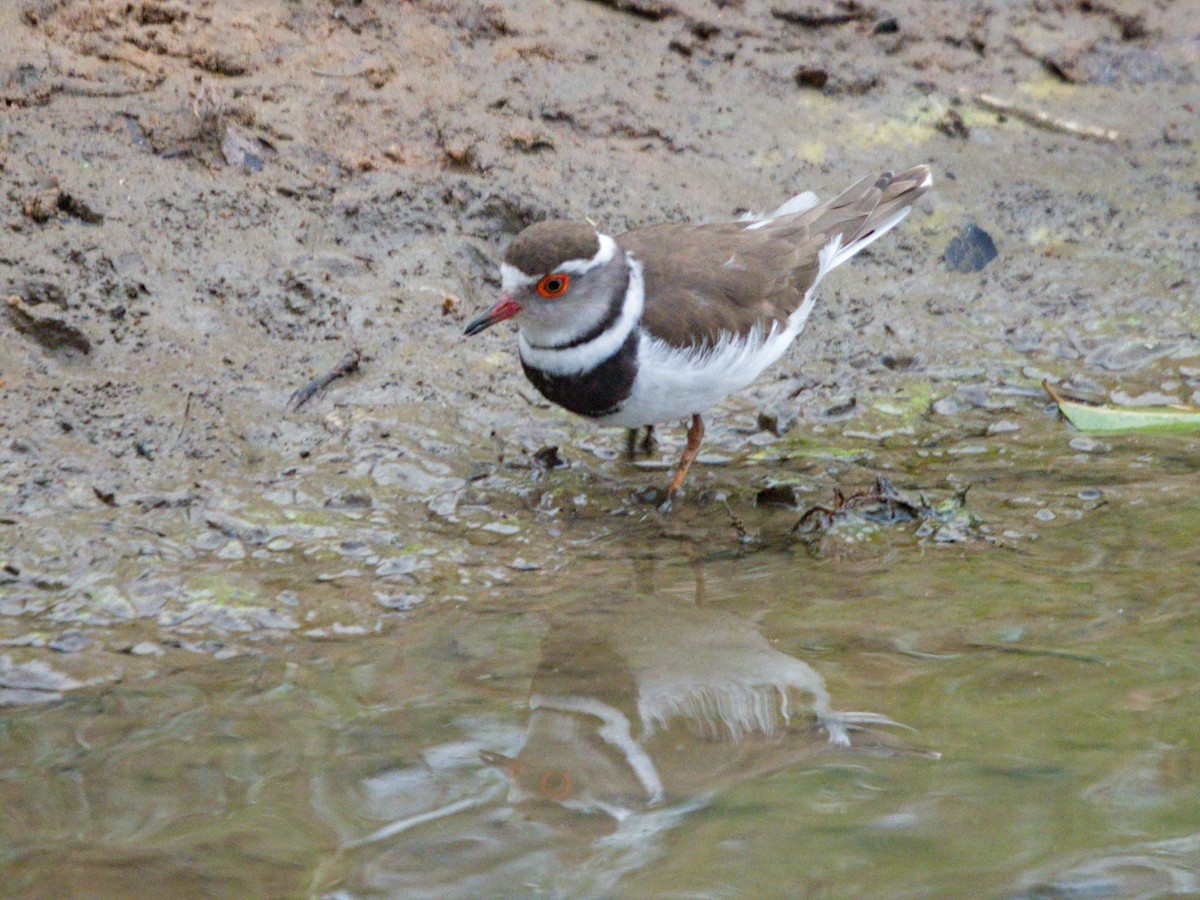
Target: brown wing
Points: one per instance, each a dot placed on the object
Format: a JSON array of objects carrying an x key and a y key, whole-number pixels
[{"x": 705, "y": 280}]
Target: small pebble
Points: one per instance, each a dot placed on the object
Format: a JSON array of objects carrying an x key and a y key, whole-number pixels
[
  {"x": 1083, "y": 444},
  {"x": 500, "y": 528},
  {"x": 1037, "y": 374},
  {"x": 33, "y": 639},
  {"x": 522, "y": 565},
  {"x": 1090, "y": 494},
  {"x": 974, "y": 394},
  {"x": 397, "y": 566},
  {"x": 146, "y": 648},
  {"x": 776, "y": 421},
  {"x": 232, "y": 550},
  {"x": 1004, "y": 426},
  {"x": 1149, "y": 398},
  {"x": 335, "y": 576},
  {"x": 1081, "y": 384},
  {"x": 1045, "y": 515},
  {"x": 69, "y": 642},
  {"x": 948, "y": 406},
  {"x": 398, "y": 601},
  {"x": 279, "y": 544},
  {"x": 210, "y": 540},
  {"x": 842, "y": 408}
]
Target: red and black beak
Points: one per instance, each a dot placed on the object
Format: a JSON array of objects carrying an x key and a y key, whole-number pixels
[{"x": 506, "y": 307}]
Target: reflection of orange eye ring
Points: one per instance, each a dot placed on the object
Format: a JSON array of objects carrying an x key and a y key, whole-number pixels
[
  {"x": 555, "y": 785},
  {"x": 554, "y": 285}
]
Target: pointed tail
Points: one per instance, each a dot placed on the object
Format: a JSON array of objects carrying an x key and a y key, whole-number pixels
[
  {"x": 870, "y": 209},
  {"x": 859, "y": 215}
]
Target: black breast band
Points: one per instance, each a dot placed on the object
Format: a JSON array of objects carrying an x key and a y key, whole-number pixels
[{"x": 597, "y": 392}]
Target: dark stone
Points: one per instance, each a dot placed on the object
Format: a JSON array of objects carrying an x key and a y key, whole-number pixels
[
  {"x": 779, "y": 421},
  {"x": 69, "y": 642},
  {"x": 549, "y": 458},
  {"x": 952, "y": 125},
  {"x": 777, "y": 495},
  {"x": 811, "y": 77},
  {"x": 970, "y": 251}
]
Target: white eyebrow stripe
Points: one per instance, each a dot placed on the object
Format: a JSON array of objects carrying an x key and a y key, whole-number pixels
[
  {"x": 608, "y": 249},
  {"x": 513, "y": 279}
]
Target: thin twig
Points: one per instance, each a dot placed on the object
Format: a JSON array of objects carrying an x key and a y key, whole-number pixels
[
  {"x": 346, "y": 365},
  {"x": 187, "y": 414},
  {"x": 1054, "y": 395},
  {"x": 323, "y": 74},
  {"x": 1042, "y": 119},
  {"x": 745, "y": 535}
]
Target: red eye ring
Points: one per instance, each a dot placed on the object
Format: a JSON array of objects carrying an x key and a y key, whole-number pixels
[
  {"x": 555, "y": 785},
  {"x": 554, "y": 285}
]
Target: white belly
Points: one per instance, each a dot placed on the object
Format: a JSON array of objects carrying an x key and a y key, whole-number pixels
[{"x": 673, "y": 384}]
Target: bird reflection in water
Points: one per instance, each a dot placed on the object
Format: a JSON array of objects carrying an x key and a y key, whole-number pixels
[{"x": 649, "y": 703}]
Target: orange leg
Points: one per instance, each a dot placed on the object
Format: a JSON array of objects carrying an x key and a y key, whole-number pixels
[{"x": 695, "y": 436}]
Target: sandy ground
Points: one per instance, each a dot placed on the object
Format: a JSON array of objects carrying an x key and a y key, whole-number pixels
[{"x": 205, "y": 204}]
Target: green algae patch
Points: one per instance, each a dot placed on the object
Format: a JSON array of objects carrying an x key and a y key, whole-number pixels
[
  {"x": 801, "y": 447},
  {"x": 908, "y": 404}
]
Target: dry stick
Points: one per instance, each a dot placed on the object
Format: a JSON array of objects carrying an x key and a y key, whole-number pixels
[
  {"x": 1044, "y": 120},
  {"x": 1054, "y": 395},
  {"x": 653, "y": 10},
  {"x": 322, "y": 74},
  {"x": 187, "y": 414},
  {"x": 75, "y": 88},
  {"x": 345, "y": 366}
]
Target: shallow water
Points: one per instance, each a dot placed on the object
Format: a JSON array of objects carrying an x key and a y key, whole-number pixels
[{"x": 657, "y": 708}]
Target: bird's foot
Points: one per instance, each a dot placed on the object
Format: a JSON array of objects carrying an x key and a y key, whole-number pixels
[
  {"x": 649, "y": 441},
  {"x": 647, "y": 445}
]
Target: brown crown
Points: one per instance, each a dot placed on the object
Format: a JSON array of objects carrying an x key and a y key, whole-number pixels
[{"x": 541, "y": 248}]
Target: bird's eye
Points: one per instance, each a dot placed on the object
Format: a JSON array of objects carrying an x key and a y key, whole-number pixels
[
  {"x": 555, "y": 785},
  {"x": 554, "y": 285}
]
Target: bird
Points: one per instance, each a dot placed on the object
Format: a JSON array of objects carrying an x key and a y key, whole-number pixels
[{"x": 661, "y": 323}]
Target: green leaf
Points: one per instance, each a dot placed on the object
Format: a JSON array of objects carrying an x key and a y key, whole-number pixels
[{"x": 1158, "y": 419}]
